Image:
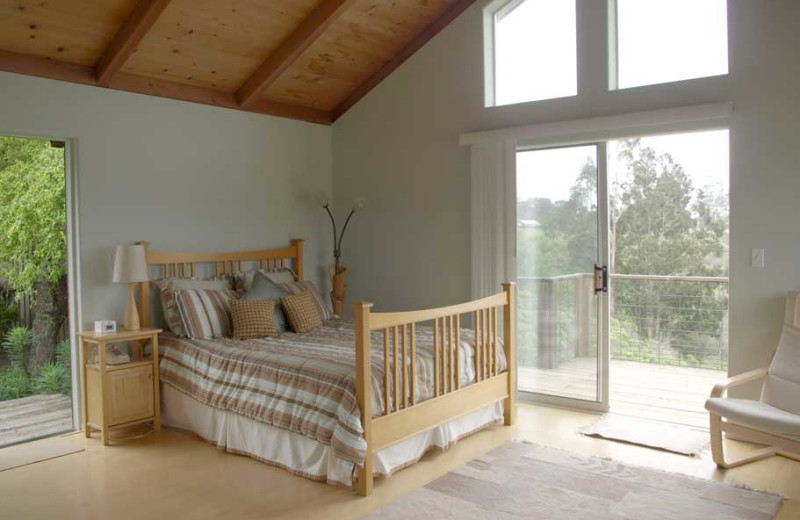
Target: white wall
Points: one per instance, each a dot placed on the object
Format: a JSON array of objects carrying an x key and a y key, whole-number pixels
[
  {"x": 398, "y": 148},
  {"x": 186, "y": 177}
]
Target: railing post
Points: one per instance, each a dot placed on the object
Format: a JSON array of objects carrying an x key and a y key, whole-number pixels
[
  {"x": 546, "y": 324},
  {"x": 583, "y": 304},
  {"x": 364, "y": 391},
  {"x": 509, "y": 346}
]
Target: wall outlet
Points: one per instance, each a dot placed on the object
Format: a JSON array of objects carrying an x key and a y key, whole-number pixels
[{"x": 757, "y": 258}]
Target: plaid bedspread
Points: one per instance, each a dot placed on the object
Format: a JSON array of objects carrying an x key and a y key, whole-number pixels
[{"x": 303, "y": 383}]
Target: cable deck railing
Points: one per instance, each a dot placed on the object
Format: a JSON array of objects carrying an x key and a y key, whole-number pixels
[{"x": 667, "y": 320}]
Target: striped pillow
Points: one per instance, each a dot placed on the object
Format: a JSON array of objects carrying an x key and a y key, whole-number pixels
[
  {"x": 253, "y": 319},
  {"x": 205, "y": 314},
  {"x": 167, "y": 289},
  {"x": 301, "y": 311},
  {"x": 307, "y": 285}
]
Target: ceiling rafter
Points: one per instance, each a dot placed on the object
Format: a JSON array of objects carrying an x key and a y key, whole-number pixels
[
  {"x": 132, "y": 32},
  {"x": 45, "y": 68},
  {"x": 287, "y": 53},
  {"x": 412, "y": 47}
]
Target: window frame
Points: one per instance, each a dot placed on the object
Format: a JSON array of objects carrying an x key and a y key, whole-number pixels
[
  {"x": 613, "y": 55},
  {"x": 490, "y": 44}
]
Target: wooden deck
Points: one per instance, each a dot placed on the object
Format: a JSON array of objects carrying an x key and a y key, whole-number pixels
[
  {"x": 34, "y": 417},
  {"x": 666, "y": 393}
]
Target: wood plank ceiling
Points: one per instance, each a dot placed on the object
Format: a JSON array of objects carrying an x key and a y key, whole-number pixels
[{"x": 302, "y": 59}]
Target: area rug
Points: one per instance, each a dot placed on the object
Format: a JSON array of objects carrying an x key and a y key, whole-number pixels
[
  {"x": 676, "y": 438},
  {"x": 522, "y": 480}
]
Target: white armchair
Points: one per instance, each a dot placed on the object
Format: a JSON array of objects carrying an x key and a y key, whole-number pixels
[{"x": 774, "y": 420}]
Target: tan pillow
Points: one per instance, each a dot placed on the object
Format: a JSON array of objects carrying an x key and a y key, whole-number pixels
[
  {"x": 169, "y": 286},
  {"x": 302, "y": 312},
  {"x": 253, "y": 319},
  {"x": 307, "y": 285}
]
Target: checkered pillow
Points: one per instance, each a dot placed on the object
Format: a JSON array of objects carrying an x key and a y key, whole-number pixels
[
  {"x": 253, "y": 318},
  {"x": 302, "y": 312},
  {"x": 307, "y": 285}
]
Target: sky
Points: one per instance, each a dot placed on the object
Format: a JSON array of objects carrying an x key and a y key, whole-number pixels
[
  {"x": 551, "y": 173},
  {"x": 658, "y": 41}
]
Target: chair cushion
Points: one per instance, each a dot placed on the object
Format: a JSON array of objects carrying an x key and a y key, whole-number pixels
[
  {"x": 782, "y": 386},
  {"x": 757, "y": 415}
]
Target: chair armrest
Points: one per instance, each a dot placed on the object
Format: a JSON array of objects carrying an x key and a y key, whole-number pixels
[{"x": 723, "y": 386}]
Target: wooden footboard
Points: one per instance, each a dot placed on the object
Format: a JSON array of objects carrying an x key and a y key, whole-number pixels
[{"x": 403, "y": 417}]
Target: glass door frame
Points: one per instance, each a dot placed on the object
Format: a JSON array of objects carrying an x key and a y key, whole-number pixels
[{"x": 601, "y": 404}]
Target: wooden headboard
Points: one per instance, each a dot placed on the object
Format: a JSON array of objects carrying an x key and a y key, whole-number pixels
[{"x": 184, "y": 265}]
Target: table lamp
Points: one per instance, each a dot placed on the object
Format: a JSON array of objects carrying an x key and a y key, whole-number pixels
[{"x": 130, "y": 266}]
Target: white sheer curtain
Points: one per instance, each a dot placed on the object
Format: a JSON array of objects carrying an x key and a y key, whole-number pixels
[{"x": 493, "y": 213}]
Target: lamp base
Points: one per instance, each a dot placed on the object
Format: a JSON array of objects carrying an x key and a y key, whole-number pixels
[{"x": 131, "y": 320}]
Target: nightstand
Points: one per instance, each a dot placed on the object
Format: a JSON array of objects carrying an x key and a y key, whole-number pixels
[{"x": 116, "y": 396}]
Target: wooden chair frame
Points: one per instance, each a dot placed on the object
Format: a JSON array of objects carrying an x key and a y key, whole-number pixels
[
  {"x": 774, "y": 445},
  {"x": 404, "y": 417}
]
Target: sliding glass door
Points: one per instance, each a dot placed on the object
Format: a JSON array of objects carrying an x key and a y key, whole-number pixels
[{"x": 562, "y": 279}]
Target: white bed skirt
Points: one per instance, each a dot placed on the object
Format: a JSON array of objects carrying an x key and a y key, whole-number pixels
[{"x": 302, "y": 455}]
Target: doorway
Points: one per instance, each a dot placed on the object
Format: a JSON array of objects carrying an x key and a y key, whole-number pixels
[
  {"x": 622, "y": 262},
  {"x": 36, "y": 362}
]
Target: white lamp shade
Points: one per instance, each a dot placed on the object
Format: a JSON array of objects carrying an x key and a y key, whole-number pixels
[{"x": 130, "y": 264}]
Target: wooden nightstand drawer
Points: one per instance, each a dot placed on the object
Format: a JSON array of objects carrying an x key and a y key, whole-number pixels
[{"x": 131, "y": 394}]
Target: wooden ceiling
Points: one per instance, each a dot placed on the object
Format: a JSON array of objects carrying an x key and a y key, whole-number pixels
[{"x": 303, "y": 59}]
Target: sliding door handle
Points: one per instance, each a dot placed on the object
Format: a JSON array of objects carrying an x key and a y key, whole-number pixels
[{"x": 600, "y": 279}]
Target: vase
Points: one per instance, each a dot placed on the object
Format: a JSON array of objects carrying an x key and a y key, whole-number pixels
[{"x": 339, "y": 289}]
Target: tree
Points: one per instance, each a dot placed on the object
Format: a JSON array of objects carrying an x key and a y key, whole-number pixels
[
  {"x": 33, "y": 240},
  {"x": 662, "y": 225}
]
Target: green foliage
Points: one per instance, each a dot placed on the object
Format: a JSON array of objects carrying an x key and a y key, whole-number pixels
[
  {"x": 52, "y": 378},
  {"x": 63, "y": 354},
  {"x": 17, "y": 344},
  {"x": 8, "y": 315},
  {"x": 32, "y": 213},
  {"x": 13, "y": 384}
]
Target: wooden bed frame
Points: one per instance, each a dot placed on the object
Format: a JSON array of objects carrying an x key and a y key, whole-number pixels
[{"x": 404, "y": 417}]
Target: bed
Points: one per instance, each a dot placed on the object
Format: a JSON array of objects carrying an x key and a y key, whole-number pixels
[{"x": 345, "y": 403}]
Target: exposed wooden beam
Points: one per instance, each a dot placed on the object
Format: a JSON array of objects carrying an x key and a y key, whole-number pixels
[
  {"x": 287, "y": 52},
  {"x": 45, "y": 68},
  {"x": 413, "y": 46},
  {"x": 132, "y": 32}
]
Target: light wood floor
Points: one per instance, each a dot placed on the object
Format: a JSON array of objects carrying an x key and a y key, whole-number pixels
[
  {"x": 34, "y": 417},
  {"x": 660, "y": 392},
  {"x": 175, "y": 475}
]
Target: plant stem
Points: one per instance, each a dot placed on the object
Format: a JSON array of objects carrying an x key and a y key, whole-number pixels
[{"x": 339, "y": 245}]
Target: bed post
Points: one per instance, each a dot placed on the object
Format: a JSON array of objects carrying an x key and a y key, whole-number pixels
[
  {"x": 509, "y": 339},
  {"x": 298, "y": 261},
  {"x": 364, "y": 391}
]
